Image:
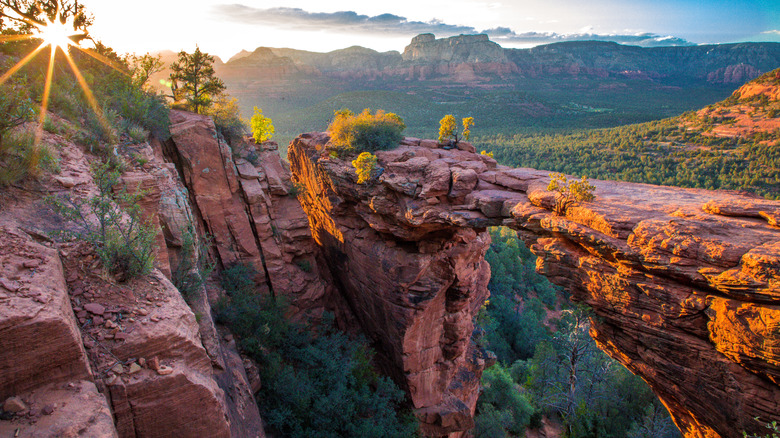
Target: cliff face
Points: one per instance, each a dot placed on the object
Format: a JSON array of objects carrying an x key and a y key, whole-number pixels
[
  {"x": 426, "y": 48},
  {"x": 245, "y": 200},
  {"x": 85, "y": 355},
  {"x": 684, "y": 283},
  {"x": 154, "y": 364},
  {"x": 413, "y": 291}
]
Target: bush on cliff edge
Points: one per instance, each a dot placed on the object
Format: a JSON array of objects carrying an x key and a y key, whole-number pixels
[{"x": 352, "y": 133}]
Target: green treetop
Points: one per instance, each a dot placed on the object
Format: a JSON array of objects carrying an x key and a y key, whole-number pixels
[{"x": 193, "y": 80}]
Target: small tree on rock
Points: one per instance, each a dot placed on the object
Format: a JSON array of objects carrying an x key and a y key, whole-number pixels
[
  {"x": 143, "y": 67},
  {"x": 262, "y": 128},
  {"x": 569, "y": 191},
  {"x": 365, "y": 166},
  {"x": 193, "y": 80},
  {"x": 448, "y": 129},
  {"x": 468, "y": 122}
]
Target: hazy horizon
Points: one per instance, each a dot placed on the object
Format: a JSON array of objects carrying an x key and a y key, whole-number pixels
[{"x": 225, "y": 29}]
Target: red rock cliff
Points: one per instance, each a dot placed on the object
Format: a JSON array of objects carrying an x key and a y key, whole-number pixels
[
  {"x": 84, "y": 355},
  {"x": 684, "y": 282},
  {"x": 244, "y": 198}
]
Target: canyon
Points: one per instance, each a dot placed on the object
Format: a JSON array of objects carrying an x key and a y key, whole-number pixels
[
  {"x": 683, "y": 284},
  {"x": 565, "y": 85}
]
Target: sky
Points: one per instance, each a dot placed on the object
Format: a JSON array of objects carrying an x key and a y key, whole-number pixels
[{"x": 224, "y": 28}]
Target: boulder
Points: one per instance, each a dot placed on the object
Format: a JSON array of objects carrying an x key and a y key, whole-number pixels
[{"x": 41, "y": 339}]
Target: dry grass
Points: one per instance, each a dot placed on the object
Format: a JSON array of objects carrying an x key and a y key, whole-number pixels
[{"x": 20, "y": 158}]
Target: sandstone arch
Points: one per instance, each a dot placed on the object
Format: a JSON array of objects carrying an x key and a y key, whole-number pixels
[{"x": 684, "y": 281}]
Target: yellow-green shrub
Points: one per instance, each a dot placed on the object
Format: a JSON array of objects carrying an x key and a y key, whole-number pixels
[
  {"x": 262, "y": 128},
  {"x": 448, "y": 129},
  {"x": 364, "y": 165},
  {"x": 365, "y": 132}
]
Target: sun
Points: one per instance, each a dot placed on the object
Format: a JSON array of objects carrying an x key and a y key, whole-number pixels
[
  {"x": 55, "y": 34},
  {"x": 62, "y": 31}
]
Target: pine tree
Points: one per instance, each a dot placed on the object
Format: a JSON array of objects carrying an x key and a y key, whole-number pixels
[{"x": 193, "y": 80}]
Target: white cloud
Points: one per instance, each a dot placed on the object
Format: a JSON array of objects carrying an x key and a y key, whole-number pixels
[{"x": 352, "y": 22}]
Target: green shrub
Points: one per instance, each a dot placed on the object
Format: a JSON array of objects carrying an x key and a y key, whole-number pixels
[
  {"x": 122, "y": 240},
  {"x": 296, "y": 189},
  {"x": 20, "y": 157},
  {"x": 773, "y": 431},
  {"x": 194, "y": 266},
  {"x": 65, "y": 101},
  {"x": 136, "y": 132},
  {"x": 305, "y": 265},
  {"x": 103, "y": 126},
  {"x": 501, "y": 408},
  {"x": 569, "y": 192},
  {"x": 238, "y": 278},
  {"x": 16, "y": 107},
  {"x": 365, "y": 132},
  {"x": 227, "y": 119}
]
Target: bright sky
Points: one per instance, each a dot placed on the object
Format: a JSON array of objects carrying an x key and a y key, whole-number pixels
[{"x": 224, "y": 28}]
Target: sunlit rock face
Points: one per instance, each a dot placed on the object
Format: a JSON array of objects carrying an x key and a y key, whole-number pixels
[
  {"x": 459, "y": 49},
  {"x": 683, "y": 282}
]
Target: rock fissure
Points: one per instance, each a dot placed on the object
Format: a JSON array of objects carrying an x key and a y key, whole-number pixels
[{"x": 267, "y": 275}]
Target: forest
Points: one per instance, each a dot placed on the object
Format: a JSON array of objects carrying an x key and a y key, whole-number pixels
[
  {"x": 542, "y": 344},
  {"x": 680, "y": 151}
]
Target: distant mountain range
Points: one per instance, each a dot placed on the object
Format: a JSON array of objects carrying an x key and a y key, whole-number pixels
[
  {"x": 733, "y": 144},
  {"x": 561, "y": 85},
  {"x": 474, "y": 58}
]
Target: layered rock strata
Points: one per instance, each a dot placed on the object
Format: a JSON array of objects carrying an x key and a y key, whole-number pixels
[
  {"x": 414, "y": 290},
  {"x": 166, "y": 206},
  {"x": 683, "y": 282}
]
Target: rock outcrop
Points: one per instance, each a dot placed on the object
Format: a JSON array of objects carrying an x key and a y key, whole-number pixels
[
  {"x": 165, "y": 204},
  {"x": 245, "y": 200},
  {"x": 43, "y": 367},
  {"x": 36, "y": 321},
  {"x": 87, "y": 356},
  {"x": 683, "y": 282},
  {"x": 413, "y": 290},
  {"x": 426, "y": 48}
]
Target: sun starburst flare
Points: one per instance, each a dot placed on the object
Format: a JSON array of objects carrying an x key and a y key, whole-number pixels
[{"x": 57, "y": 35}]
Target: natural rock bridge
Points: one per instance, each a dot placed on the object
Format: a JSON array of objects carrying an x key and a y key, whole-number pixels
[{"x": 684, "y": 282}]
